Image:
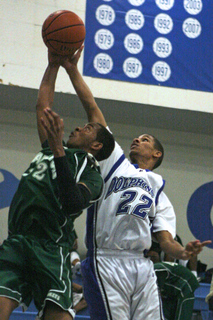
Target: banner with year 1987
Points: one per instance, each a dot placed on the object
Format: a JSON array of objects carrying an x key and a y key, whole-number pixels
[{"x": 158, "y": 42}]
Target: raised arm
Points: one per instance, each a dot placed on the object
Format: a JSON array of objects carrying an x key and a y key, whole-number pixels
[
  {"x": 46, "y": 93},
  {"x": 73, "y": 196},
  {"x": 84, "y": 93}
]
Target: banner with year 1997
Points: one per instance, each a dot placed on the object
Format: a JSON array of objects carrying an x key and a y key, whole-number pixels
[{"x": 158, "y": 42}]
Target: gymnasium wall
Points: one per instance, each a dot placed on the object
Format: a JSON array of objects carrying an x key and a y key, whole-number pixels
[{"x": 188, "y": 155}]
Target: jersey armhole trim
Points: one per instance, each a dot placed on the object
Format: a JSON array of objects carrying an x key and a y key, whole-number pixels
[
  {"x": 159, "y": 192},
  {"x": 114, "y": 167}
]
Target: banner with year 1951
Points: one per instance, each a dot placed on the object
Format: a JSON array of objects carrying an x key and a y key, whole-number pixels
[{"x": 158, "y": 42}]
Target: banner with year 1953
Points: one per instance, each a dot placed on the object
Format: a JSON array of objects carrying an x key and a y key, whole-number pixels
[{"x": 158, "y": 42}]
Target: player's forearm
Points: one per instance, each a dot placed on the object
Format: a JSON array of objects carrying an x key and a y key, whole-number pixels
[
  {"x": 84, "y": 93},
  {"x": 74, "y": 197},
  {"x": 47, "y": 87},
  {"x": 173, "y": 249},
  {"x": 192, "y": 264},
  {"x": 45, "y": 97},
  {"x": 169, "y": 245}
]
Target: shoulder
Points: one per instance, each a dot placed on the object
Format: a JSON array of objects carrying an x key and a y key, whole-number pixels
[
  {"x": 115, "y": 161},
  {"x": 153, "y": 174},
  {"x": 155, "y": 179},
  {"x": 76, "y": 155},
  {"x": 72, "y": 151},
  {"x": 116, "y": 153},
  {"x": 92, "y": 162}
]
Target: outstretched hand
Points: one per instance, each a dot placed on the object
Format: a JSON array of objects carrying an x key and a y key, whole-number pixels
[
  {"x": 71, "y": 61},
  {"x": 193, "y": 248},
  {"x": 54, "y": 59},
  {"x": 54, "y": 127},
  {"x": 67, "y": 62}
]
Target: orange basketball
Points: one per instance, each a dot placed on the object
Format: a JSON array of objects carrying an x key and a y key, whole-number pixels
[{"x": 63, "y": 32}]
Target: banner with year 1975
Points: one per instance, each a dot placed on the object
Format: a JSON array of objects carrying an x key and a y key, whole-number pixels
[{"x": 158, "y": 42}]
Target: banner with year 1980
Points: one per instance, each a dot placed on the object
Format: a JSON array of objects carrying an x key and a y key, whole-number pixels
[{"x": 158, "y": 42}]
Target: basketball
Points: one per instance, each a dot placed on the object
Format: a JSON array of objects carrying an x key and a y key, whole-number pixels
[{"x": 63, "y": 32}]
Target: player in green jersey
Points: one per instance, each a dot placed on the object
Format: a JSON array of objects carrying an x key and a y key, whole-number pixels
[
  {"x": 176, "y": 284},
  {"x": 60, "y": 182}
]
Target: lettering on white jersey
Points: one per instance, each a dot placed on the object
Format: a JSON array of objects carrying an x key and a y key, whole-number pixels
[{"x": 121, "y": 183}]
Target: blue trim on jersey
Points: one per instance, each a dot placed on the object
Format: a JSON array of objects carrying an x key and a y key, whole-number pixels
[
  {"x": 94, "y": 291},
  {"x": 135, "y": 165},
  {"x": 159, "y": 192},
  {"x": 114, "y": 167},
  {"x": 91, "y": 211}
]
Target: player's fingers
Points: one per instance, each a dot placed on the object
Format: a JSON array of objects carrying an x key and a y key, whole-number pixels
[
  {"x": 62, "y": 124},
  {"x": 205, "y": 243},
  {"x": 44, "y": 123},
  {"x": 49, "y": 116},
  {"x": 75, "y": 57},
  {"x": 50, "y": 112},
  {"x": 198, "y": 247},
  {"x": 198, "y": 244},
  {"x": 62, "y": 127},
  {"x": 195, "y": 242},
  {"x": 81, "y": 49},
  {"x": 78, "y": 55},
  {"x": 53, "y": 57},
  {"x": 52, "y": 117}
]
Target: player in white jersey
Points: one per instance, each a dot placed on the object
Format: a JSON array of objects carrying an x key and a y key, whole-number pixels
[{"x": 119, "y": 281}]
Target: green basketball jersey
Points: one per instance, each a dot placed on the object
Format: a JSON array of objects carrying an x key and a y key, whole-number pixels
[
  {"x": 36, "y": 201},
  {"x": 174, "y": 278}
]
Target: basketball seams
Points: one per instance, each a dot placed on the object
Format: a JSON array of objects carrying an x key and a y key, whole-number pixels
[
  {"x": 51, "y": 45},
  {"x": 55, "y": 18},
  {"x": 63, "y": 32},
  {"x": 63, "y": 42},
  {"x": 71, "y": 26}
]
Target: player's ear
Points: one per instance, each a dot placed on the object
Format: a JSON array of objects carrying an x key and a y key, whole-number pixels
[
  {"x": 157, "y": 154},
  {"x": 96, "y": 145}
]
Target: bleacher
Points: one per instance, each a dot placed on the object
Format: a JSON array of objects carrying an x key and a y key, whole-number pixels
[
  {"x": 31, "y": 313},
  {"x": 199, "y": 305}
]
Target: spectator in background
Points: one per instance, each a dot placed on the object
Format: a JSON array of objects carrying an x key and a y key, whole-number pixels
[
  {"x": 176, "y": 284},
  {"x": 79, "y": 302},
  {"x": 209, "y": 297},
  {"x": 75, "y": 259}
]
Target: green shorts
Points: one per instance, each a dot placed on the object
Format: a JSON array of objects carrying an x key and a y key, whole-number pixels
[{"x": 35, "y": 269}]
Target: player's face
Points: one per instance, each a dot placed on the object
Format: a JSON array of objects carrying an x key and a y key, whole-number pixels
[
  {"x": 143, "y": 146},
  {"x": 83, "y": 137}
]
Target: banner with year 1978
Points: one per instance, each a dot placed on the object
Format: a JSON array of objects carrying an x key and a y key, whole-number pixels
[{"x": 158, "y": 42}]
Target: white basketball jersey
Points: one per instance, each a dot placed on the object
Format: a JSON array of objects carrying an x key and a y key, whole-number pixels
[{"x": 131, "y": 207}]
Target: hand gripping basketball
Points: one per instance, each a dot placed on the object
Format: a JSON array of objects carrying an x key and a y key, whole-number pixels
[{"x": 63, "y": 32}]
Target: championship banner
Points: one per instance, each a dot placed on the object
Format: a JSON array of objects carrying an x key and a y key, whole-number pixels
[{"x": 159, "y": 42}]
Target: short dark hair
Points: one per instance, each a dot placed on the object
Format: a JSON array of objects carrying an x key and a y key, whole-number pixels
[
  {"x": 158, "y": 146},
  {"x": 105, "y": 137}
]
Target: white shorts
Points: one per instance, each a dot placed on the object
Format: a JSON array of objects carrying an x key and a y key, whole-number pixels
[{"x": 128, "y": 287}]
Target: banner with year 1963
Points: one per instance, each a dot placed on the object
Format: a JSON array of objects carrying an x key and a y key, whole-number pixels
[{"x": 158, "y": 42}]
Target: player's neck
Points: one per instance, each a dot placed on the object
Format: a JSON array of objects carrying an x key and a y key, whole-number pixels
[{"x": 143, "y": 164}]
